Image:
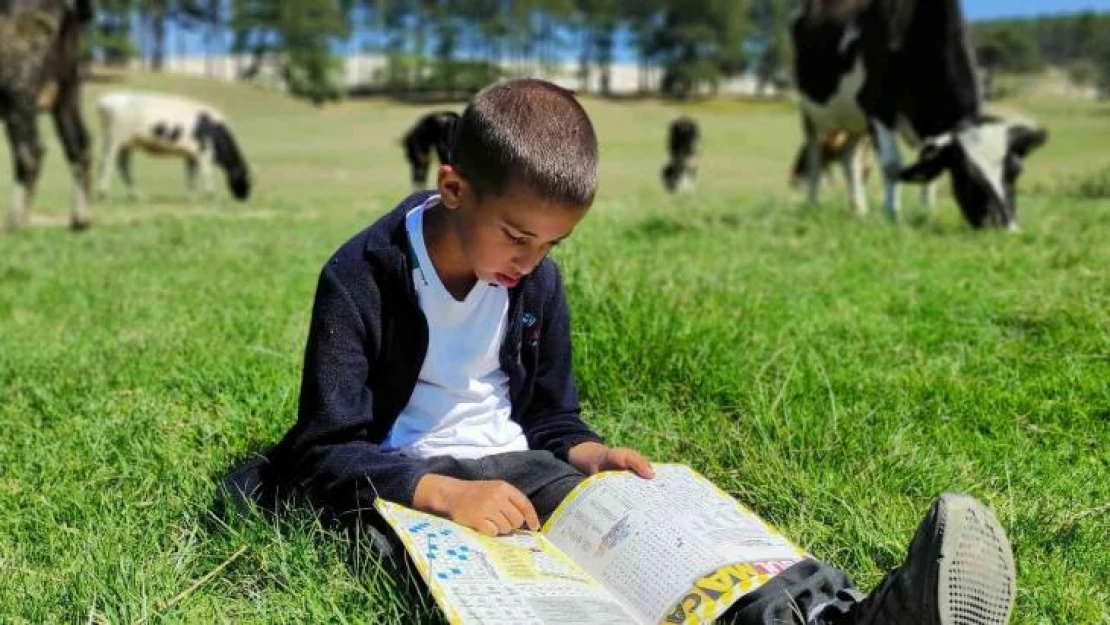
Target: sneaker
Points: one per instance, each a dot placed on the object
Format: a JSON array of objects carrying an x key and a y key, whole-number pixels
[
  {"x": 959, "y": 571},
  {"x": 245, "y": 487}
]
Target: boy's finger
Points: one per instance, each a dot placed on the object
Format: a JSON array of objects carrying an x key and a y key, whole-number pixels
[
  {"x": 641, "y": 466},
  {"x": 504, "y": 526},
  {"x": 515, "y": 516},
  {"x": 487, "y": 527},
  {"x": 521, "y": 502}
]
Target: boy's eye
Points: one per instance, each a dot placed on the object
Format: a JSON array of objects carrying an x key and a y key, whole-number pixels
[{"x": 513, "y": 238}]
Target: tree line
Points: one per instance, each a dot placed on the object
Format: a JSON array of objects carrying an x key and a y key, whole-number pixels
[
  {"x": 1079, "y": 43},
  {"x": 681, "y": 47},
  {"x": 457, "y": 45}
]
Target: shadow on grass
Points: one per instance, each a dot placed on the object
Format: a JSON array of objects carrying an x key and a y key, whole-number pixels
[
  {"x": 246, "y": 492},
  {"x": 1032, "y": 325},
  {"x": 11, "y": 274},
  {"x": 662, "y": 226},
  {"x": 797, "y": 219}
]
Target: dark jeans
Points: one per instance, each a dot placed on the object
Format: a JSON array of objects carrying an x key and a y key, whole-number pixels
[{"x": 809, "y": 592}]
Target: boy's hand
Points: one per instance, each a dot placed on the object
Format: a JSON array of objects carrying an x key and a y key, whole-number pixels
[
  {"x": 591, "y": 457},
  {"x": 491, "y": 507}
]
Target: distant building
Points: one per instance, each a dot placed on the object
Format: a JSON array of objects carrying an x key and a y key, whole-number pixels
[{"x": 367, "y": 69}]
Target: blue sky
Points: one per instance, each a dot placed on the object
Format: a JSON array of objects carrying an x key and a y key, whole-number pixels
[
  {"x": 973, "y": 9},
  {"x": 986, "y": 9}
]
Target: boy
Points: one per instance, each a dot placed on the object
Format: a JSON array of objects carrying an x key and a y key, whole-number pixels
[{"x": 438, "y": 373}]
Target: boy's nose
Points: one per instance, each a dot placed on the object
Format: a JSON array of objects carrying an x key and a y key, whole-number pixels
[
  {"x": 526, "y": 262},
  {"x": 521, "y": 268}
]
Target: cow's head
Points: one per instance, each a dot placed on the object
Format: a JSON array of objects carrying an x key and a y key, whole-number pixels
[
  {"x": 231, "y": 159},
  {"x": 985, "y": 159},
  {"x": 226, "y": 151}
]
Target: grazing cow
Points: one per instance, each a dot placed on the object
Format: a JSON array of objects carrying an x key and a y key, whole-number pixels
[
  {"x": 880, "y": 67},
  {"x": 39, "y": 59},
  {"x": 682, "y": 146},
  {"x": 434, "y": 130},
  {"x": 833, "y": 149},
  {"x": 169, "y": 125}
]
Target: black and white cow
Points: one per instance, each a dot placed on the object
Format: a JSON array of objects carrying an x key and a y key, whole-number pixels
[
  {"x": 434, "y": 130},
  {"x": 882, "y": 67},
  {"x": 682, "y": 147},
  {"x": 164, "y": 125}
]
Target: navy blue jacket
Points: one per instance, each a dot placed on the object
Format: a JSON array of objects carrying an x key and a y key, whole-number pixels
[{"x": 366, "y": 346}]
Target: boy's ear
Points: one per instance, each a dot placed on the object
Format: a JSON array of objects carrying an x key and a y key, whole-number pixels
[{"x": 451, "y": 186}]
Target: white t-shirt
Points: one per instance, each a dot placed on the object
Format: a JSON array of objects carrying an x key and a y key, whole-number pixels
[{"x": 460, "y": 406}]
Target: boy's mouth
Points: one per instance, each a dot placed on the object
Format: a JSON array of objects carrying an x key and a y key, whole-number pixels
[{"x": 506, "y": 280}]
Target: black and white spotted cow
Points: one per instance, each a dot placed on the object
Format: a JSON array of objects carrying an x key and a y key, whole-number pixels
[
  {"x": 433, "y": 130},
  {"x": 682, "y": 147},
  {"x": 166, "y": 125},
  {"x": 881, "y": 67}
]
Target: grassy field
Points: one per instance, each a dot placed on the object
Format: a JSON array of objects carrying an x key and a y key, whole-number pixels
[{"x": 835, "y": 373}]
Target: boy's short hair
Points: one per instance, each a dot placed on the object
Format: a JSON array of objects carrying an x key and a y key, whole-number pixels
[{"x": 528, "y": 132}]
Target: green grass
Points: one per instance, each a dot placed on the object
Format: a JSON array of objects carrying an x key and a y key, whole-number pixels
[{"x": 835, "y": 373}]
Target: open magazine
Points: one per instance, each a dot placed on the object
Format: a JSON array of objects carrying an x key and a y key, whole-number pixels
[{"x": 619, "y": 549}]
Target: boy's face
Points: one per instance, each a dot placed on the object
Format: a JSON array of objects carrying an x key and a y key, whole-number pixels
[{"x": 505, "y": 236}]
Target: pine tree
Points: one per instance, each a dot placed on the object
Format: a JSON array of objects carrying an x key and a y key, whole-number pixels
[
  {"x": 308, "y": 29},
  {"x": 700, "y": 41},
  {"x": 109, "y": 40},
  {"x": 641, "y": 18}
]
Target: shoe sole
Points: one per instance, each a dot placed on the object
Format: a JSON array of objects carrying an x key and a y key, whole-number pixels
[{"x": 976, "y": 580}]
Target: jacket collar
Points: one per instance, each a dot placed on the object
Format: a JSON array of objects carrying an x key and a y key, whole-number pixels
[{"x": 387, "y": 239}]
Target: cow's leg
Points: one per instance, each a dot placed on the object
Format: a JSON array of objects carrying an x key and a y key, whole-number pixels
[
  {"x": 813, "y": 159},
  {"x": 26, "y": 149},
  {"x": 191, "y": 167},
  {"x": 801, "y": 163},
  {"x": 886, "y": 144},
  {"x": 929, "y": 196},
  {"x": 78, "y": 148},
  {"x": 207, "y": 175},
  {"x": 123, "y": 164},
  {"x": 108, "y": 157},
  {"x": 853, "y": 173},
  {"x": 686, "y": 176},
  {"x": 1008, "y": 217}
]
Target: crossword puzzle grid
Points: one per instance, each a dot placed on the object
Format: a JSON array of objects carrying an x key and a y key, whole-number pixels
[
  {"x": 491, "y": 602},
  {"x": 638, "y": 564},
  {"x": 448, "y": 557},
  {"x": 484, "y": 600}
]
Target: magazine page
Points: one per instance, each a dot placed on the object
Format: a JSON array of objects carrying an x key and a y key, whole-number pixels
[
  {"x": 673, "y": 547},
  {"x": 520, "y": 578}
]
